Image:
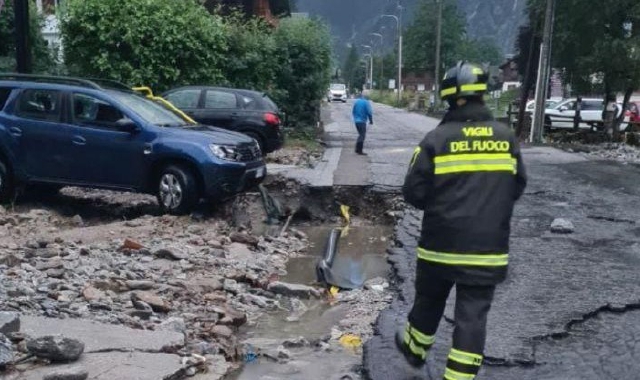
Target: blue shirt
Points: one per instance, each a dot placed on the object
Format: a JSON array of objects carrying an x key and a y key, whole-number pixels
[{"x": 362, "y": 111}]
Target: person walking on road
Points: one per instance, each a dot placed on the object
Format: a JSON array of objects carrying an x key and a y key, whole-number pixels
[
  {"x": 466, "y": 175},
  {"x": 361, "y": 113}
]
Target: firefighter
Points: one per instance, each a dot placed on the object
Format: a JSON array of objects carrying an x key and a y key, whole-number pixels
[{"x": 466, "y": 176}]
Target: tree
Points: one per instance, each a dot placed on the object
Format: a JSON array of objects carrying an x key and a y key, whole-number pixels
[
  {"x": 597, "y": 44},
  {"x": 305, "y": 60},
  {"x": 352, "y": 70},
  {"x": 162, "y": 43},
  {"x": 420, "y": 37},
  {"x": 43, "y": 61}
]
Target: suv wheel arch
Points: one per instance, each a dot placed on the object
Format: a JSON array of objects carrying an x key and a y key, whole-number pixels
[
  {"x": 7, "y": 185},
  {"x": 259, "y": 137}
]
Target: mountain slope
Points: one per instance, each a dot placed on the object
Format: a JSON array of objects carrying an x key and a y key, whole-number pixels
[{"x": 355, "y": 19}]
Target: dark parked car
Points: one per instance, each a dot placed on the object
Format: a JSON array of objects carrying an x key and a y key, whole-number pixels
[
  {"x": 250, "y": 112},
  {"x": 58, "y": 131}
]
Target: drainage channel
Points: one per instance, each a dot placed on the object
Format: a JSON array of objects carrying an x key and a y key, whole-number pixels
[{"x": 305, "y": 326}]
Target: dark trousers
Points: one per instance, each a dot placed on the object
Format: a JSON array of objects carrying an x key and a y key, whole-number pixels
[
  {"x": 471, "y": 309},
  {"x": 362, "y": 134}
]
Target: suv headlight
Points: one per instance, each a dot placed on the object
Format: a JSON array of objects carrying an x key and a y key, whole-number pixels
[{"x": 224, "y": 152}]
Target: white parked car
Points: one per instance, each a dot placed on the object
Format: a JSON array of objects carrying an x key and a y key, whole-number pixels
[
  {"x": 337, "y": 91},
  {"x": 561, "y": 114},
  {"x": 531, "y": 104}
]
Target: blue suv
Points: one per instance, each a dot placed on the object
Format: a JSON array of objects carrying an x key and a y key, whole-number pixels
[{"x": 58, "y": 131}]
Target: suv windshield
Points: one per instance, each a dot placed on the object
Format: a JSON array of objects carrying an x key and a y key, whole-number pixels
[
  {"x": 338, "y": 86},
  {"x": 148, "y": 110}
]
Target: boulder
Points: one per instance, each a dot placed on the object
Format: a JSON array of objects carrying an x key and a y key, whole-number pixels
[
  {"x": 562, "y": 226},
  {"x": 155, "y": 301},
  {"x": 6, "y": 352},
  {"x": 56, "y": 348},
  {"x": 9, "y": 322}
]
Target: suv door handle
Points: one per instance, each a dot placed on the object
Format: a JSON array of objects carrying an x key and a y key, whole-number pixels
[
  {"x": 15, "y": 131},
  {"x": 79, "y": 140}
]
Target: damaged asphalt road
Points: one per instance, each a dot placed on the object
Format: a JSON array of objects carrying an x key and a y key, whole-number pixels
[{"x": 570, "y": 306}]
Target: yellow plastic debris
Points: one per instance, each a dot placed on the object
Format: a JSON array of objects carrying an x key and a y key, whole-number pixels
[
  {"x": 344, "y": 210},
  {"x": 334, "y": 291},
  {"x": 350, "y": 341}
]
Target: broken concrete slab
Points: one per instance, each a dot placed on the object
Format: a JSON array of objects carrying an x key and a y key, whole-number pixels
[
  {"x": 71, "y": 373},
  {"x": 103, "y": 337},
  {"x": 293, "y": 290},
  {"x": 9, "y": 322},
  {"x": 114, "y": 365}
]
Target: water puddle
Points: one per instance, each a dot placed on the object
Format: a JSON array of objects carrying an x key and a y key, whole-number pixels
[{"x": 363, "y": 250}]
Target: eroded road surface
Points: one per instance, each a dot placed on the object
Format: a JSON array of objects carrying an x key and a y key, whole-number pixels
[{"x": 570, "y": 306}]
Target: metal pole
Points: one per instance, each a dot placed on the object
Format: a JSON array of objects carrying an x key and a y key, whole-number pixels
[
  {"x": 399, "y": 54},
  {"x": 436, "y": 97},
  {"x": 381, "y": 58},
  {"x": 543, "y": 75},
  {"x": 23, "y": 53}
]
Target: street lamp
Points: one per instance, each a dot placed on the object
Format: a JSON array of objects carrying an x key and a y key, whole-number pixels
[
  {"x": 371, "y": 65},
  {"x": 381, "y": 57},
  {"x": 399, "y": 27}
]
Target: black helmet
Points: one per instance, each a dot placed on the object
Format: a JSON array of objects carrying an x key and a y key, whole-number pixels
[{"x": 463, "y": 80}]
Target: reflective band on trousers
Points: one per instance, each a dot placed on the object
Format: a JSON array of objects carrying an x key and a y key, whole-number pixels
[
  {"x": 487, "y": 162},
  {"x": 464, "y": 88},
  {"x": 481, "y": 260},
  {"x": 450, "y": 374},
  {"x": 463, "y": 357},
  {"x": 418, "y": 342}
]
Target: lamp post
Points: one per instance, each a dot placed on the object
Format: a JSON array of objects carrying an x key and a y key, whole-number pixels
[
  {"x": 370, "y": 65},
  {"x": 399, "y": 27},
  {"x": 381, "y": 57}
]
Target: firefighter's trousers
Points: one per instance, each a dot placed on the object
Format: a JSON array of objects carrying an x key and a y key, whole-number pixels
[{"x": 471, "y": 309}]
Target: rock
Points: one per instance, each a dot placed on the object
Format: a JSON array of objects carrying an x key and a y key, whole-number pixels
[
  {"x": 241, "y": 237},
  {"x": 131, "y": 244},
  {"x": 223, "y": 331},
  {"x": 6, "y": 352},
  {"x": 156, "y": 302},
  {"x": 69, "y": 373},
  {"x": 9, "y": 322},
  {"x": 259, "y": 301},
  {"x": 293, "y": 290},
  {"x": 206, "y": 284},
  {"x": 92, "y": 294},
  {"x": 54, "y": 263},
  {"x": 195, "y": 229},
  {"x": 172, "y": 253},
  {"x": 173, "y": 324},
  {"x": 140, "y": 284},
  {"x": 56, "y": 348},
  {"x": 77, "y": 220},
  {"x": 299, "y": 234},
  {"x": 239, "y": 252},
  {"x": 55, "y": 273},
  {"x": 562, "y": 226},
  {"x": 295, "y": 342},
  {"x": 232, "y": 317},
  {"x": 283, "y": 353},
  {"x": 231, "y": 286}
]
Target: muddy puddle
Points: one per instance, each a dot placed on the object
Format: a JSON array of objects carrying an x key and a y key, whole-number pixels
[{"x": 363, "y": 250}]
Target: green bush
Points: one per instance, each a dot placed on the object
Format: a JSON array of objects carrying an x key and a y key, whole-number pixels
[
  {"x": 391, "y": 98},
  {"x": 161, "y": 43},
  {"x": 305, "y": 63}
]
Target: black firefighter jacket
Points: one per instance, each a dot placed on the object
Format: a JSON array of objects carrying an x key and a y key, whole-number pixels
[{"x": 466, "y": 175}]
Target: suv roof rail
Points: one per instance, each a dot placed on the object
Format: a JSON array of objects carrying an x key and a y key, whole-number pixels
[
  {"x": 50, "y": 79},
  {"x": 110, "y": 83}
]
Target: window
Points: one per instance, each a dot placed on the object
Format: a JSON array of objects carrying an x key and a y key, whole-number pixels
[
  {"x": 249, "y": 103},
  {"x": 39, "y": 105},
  {"x": 185, "y": 98},
  {"x": 4, "y": 96},
  {"x": 592, "y": 105},
  {"x": 150, "y": 111},
  {"x": 93, "y": 111},
  {"x": 220, "y": 100}
]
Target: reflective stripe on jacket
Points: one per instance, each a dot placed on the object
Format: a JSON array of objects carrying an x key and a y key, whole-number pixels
[{"x": 466, "y": 175}]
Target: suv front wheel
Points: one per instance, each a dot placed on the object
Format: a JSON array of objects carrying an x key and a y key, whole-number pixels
[{"x": 177, "y": 190}]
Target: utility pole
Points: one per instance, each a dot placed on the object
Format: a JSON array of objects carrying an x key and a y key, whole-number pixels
[
  {"x": 436, "y": 96},
  {"x": 371, "y": 65},
  {"x": 23, "y": 52},
  {"x": 399, "y": 27},
  {"x": 543, "y": 75},
  {"x": 380, "y": 87}
]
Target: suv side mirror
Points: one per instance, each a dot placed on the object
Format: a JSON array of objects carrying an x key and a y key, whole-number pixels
[
  {"x": 563, "y": 108},
  {"x": 127, "y": 125}
]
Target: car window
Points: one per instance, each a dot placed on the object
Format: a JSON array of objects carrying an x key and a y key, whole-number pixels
[
  {"x": 4, "y": 96},
  {"x": 592, "y": 105},
  {"x": 571, "y": 106},
  {"x": 148, "y": 110},
  {"x": 220, "y": 100},
  {"x": 39, "y": 105},
  {"x": 338, "y": 87},
  {"x": 185, "y": 98},
  {"x": 271, "y": 105},
  {"x": 88, "y": 110},
  {"x": 249, "y": 103}
]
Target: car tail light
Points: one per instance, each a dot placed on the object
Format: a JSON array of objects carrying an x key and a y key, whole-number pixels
[{"x": 272, "y": 119}]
